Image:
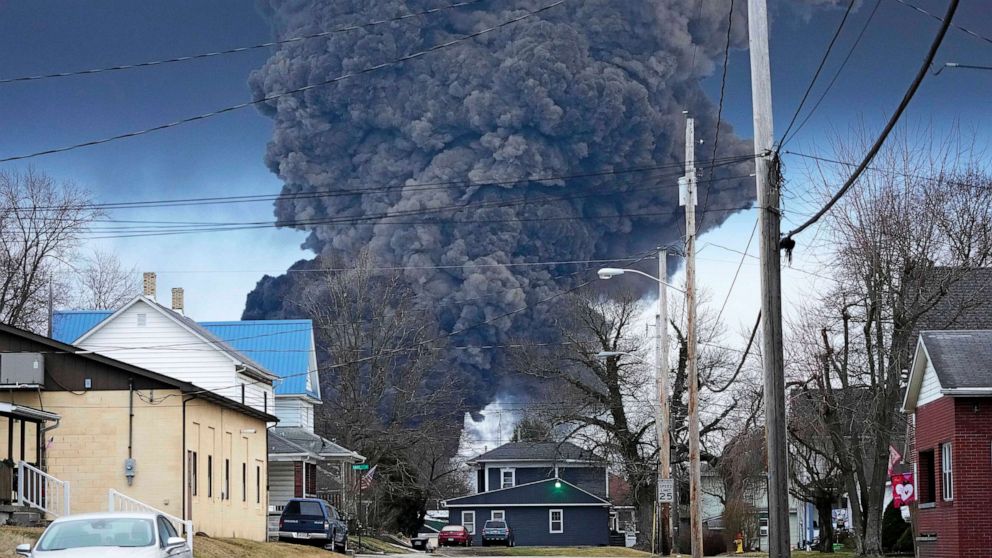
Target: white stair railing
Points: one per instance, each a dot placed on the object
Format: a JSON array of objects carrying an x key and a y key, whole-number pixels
[
  {"x": 42, "y": 491},
  {"x": 118, "y": 502}
]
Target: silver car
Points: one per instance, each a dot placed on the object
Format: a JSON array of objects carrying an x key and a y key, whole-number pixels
[{"x": 109, "y": 535}]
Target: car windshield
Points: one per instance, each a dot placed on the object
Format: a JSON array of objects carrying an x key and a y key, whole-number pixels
[
  {"x": 495, "y": 525},
  {"x": 452, "y": 529},
  {"x": 109, "y": 531}
]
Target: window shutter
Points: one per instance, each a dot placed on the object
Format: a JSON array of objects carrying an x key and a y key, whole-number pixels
[
  {"x": 311, "y": 478},
  {"x": 298, "y": 479}
]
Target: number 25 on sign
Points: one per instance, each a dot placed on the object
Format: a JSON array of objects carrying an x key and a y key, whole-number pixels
[{"x": 666, "y": 490}]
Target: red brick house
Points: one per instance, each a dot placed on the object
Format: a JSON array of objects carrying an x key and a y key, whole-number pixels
[{"x": 949, "y": 397}]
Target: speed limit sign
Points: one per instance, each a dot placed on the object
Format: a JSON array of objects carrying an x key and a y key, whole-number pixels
[{"x": 666, "y": 490}]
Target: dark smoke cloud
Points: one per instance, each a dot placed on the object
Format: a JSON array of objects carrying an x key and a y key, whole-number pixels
[{"x": 588, "y": 86}]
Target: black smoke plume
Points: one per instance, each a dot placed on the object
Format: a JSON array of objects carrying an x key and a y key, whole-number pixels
[{"x": 586, "y": 87}]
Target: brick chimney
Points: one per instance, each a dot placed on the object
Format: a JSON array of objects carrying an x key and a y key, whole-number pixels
[
  {"x": 177, "y": 300},
  {"x": 149, "y": 284}
]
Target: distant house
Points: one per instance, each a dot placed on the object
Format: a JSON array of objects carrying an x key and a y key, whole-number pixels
[
  {"x": 194, "y": 454},
  {"x": 551, "y": 494},
  {"x": 949, "y": 397},
  {"x": 268, "y": 364}
]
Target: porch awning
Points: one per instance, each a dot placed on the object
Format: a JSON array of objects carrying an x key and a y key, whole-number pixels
[{"x": 26, "y": 413}]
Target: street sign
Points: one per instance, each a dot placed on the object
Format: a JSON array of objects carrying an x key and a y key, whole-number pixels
[
  {"x": 360, "y": 467},
  {"x": 666, "y": 491}
]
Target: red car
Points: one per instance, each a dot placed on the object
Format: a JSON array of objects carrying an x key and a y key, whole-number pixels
[{"x": 454, "y": 535}]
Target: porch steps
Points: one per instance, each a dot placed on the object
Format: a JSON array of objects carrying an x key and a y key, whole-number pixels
[{"x": 21, "y": 516}]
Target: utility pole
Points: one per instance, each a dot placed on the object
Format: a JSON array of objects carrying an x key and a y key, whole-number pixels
[
  {"x": 769, "y": 222},
  {"x": 661, "y": 420},
  {"x": 688, "y": 191}
]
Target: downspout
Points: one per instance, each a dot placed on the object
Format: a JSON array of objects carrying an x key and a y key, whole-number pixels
[
  {"x": 130, "y": 418},
  {"x": 184, "y": 460}
]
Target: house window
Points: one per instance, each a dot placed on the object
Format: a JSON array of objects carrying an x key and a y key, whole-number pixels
[
  {"x": 227, "y": 480},
  {"x": 142, "y": 320},
  {"x": 498, "y": 515},
  {"x": 244, "y": 482},
  {"x": 468, "y": 521},
  {"x": 946, "y": 473},
  {"x": 210, "y": 476},
  {"x": 258, "y": 484},
  {"x": 927, "y": 478},
  {"x": 556, "y": 521},
  {"x": 194, "y": 480},
  {"x": 508, "y": 478},
  {"x": 763, "y": 526}
]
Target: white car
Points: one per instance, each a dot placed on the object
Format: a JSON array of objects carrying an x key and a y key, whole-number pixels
[{"x": 109, "y": 535}]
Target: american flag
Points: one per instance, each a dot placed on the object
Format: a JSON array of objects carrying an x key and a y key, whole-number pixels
[{"x": 366, "y": 481}]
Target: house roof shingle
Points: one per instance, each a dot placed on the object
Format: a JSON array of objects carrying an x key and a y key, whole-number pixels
[
  {"x": 544, "y": 492},
  {"x": 294, "y": 439},
  {"x": 961, "y": 358},
  {"x": 538, "y": 451}
]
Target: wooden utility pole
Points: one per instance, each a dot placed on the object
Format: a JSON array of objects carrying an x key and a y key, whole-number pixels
[
  {"x": 688, "y": 191},
  {"x": 769, "y": 222},
  {"x": 662, "y": 412}
]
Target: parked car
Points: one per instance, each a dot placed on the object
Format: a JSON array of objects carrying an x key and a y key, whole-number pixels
[
  {"x": 454, "y": 535},
  {"x": 313, "y": 521},
  {"x": 109, "y": 535},
  {"x": 497, "y": 532}
]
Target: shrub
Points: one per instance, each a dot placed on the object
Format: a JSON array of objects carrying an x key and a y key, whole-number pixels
[{"x": 893, "y": 529}]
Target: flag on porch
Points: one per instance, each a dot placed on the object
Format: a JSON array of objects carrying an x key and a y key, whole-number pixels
[{"x": 366, "y": 481}]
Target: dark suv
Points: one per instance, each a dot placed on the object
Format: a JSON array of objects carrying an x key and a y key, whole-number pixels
[
  {"x": 313, "y": 521},
  {"x": 497, "y": 532}
]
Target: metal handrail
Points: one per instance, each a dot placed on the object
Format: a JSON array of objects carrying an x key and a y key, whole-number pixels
[
  {"x": 122, "y": 502},
  {"x": 42, "y": 491}
]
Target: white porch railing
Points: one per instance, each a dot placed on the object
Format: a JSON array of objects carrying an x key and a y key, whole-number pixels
[
  {"x": 42, "y": 491},
  {"x": 120, "y": 502}
]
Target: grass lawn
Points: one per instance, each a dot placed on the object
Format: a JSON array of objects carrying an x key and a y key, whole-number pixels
[
  {"x": 590, "y": 551},
  {"x": 803, "y": 554},
  {"x": 203, "y": 547},
  {"x": 372, "y": 544}
]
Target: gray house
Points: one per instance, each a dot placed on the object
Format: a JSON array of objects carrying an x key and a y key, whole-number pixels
[{"x": 550, "y": 494}]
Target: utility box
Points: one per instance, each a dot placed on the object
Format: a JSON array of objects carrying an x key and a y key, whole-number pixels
[{"x": 22, "y": 369}]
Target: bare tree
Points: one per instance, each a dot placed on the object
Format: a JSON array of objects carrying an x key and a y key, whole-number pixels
[
  {"x": 41, "y": 222},
  {"x": 104, "y": 282},
  {"x": 381, "y": 397},
  {"x": 912, "y": 227},
  {"x": 608, "y": 403}
]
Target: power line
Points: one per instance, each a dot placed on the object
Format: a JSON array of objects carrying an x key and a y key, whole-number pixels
[
  {"x": 275, "y": 96},
  {"x": 719, "y": 112},
  {"x": 962, "y": 66},
  {"x": 236, "y": 50},
  {"x": 833, "y": 80},
  {"x": 974, "y": 34},
  {"x": 816, "y": 74},
  {"x": 787, "y": 241},
  {"x": 404, "y": 188},
  {"x": 737, "y": 273},
  {"x": 888, "y": 171}
]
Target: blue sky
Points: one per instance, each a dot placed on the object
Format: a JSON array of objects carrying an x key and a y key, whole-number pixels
[{"x": 223, "y": 156}]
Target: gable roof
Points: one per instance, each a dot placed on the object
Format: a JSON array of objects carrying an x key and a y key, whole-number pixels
[
  {"x": 185, "y": 387},
  {"x": 309, "y": 442},
  {"x": 540, "y": 493},
  {"x": 283, "y": 347},
  {"x": 538, "y": 451},
  {"x": 962, "y": 360},
  {"x": 251, "y": 367}
]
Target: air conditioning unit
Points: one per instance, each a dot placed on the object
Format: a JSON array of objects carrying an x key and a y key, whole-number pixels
[{"x": 22, "y": 369}]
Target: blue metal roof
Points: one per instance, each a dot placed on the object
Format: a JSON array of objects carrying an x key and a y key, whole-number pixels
[
  {"x": 283, "y": 347},
  {"x": 69, "y": 325}
]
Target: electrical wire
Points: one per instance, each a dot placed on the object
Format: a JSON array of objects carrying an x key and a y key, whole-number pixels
[
  {"x": 816, "y": 74},
  {"x": 738, "y": 272},
  {"x": 974, "y": 34},
  {"x": 833, "y": 80},
  {"x": 202, "y": 55},
  {"x": 914, "y": 86},
  {"x": 276, "y": 96}
]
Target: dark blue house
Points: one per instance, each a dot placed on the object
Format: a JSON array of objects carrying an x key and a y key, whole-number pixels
[{"x": 550, "y": 494}]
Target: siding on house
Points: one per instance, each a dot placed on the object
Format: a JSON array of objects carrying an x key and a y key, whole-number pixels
[
  {"x": 294, "y": 411},
  {"x": 583, "y": 526},
  {"x": 590, "y": 479},
  {"x": 281, "y": 483},
  {"x": 164, "y": 346},
  {"x": 930, "y": 388}
]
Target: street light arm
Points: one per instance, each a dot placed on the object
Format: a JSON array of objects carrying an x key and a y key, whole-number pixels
[{"x": 655, "y": 279}]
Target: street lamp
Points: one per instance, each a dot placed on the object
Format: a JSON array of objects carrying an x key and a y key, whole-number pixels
[{"x": 661, "y": 380}]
